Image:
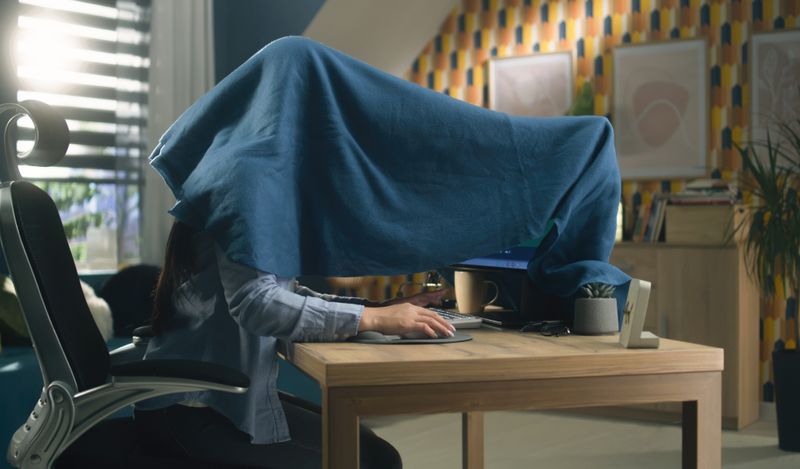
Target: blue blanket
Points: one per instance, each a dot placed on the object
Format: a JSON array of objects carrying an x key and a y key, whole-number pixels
[{"x": 307, "y": 161}]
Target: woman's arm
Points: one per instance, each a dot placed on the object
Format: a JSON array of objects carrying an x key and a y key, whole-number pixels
[
  {"x": 305, "y": 291},
  {"x": 395, "y": 316},
  {"x": 419, "y": 299},
  {"x": 260, "y": 305}
]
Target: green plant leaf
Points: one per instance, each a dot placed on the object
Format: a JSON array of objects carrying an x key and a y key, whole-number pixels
[{"x": 772, "y": 229}]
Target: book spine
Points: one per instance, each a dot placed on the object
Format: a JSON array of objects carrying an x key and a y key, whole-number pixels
[
  {"x": 645, "y": 218},
  {"x": 651, "y": 221},
  {"x": 659, "y": 226}
]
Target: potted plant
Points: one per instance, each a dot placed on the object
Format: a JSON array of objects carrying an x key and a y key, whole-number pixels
[
  {"x": 584, "y": 102},
  {"x": 596, "y": 311},
  {"x": 771, "y": 235}
]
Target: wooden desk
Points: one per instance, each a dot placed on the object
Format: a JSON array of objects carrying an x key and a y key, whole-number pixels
[{"x": 507, "y": 371}]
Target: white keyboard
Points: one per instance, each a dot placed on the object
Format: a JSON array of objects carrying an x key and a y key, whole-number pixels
[{"x": 458, "y": 320}]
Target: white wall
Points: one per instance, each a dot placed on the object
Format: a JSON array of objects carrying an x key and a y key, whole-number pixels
[
  {"x": 388, "y": 34},
  {"x": 182, "y": 69}
]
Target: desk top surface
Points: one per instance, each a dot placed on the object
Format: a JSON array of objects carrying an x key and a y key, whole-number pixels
[{"x": 497, "y": 356}]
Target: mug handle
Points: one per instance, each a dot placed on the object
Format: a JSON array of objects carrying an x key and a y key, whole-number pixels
[{"x": 496, "y": 292}]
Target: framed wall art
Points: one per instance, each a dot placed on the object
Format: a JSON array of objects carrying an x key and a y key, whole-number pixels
[
  {"x": 660, "y": 109},
  {"x": 774, "y": 82},
  {"x": 531, "y": 85}
]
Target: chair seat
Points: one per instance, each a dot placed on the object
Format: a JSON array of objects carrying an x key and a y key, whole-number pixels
[{"x": 183, "y": 369}]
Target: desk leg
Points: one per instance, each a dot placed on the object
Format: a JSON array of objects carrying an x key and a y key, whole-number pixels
[
  {"x": 702, "y": 428},
  {"x": 339, "y": 432},
  {"x": 472, "y": 440}
]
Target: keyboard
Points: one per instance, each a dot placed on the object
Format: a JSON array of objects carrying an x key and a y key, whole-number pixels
[{"x": 458, "y": 320}]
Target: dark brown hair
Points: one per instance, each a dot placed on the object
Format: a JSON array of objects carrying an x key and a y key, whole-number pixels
[{"x": 177, "y": 269}]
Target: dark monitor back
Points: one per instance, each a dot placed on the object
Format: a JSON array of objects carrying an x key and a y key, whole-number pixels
[
  {"x": 515, "y": 258},
  {"x": 509, "y": 269}
]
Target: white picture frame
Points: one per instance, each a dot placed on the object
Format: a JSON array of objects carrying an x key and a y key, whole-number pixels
[
  {"x": 660, "y": 109},
  {"x": 634, "y": 312},
  {"x": 774, "y": 75},
  {"x": 532, "y": 85}
]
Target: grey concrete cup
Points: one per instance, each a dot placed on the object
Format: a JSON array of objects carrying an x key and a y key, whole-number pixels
[{"x": 595, "y": 316}]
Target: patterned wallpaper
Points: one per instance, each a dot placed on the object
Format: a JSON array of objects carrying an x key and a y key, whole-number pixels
[{"x": 454, "y": 62}]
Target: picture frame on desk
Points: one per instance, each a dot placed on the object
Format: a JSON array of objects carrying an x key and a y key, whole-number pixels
[
  {"x": 660, "y": 109},
  {"x": 632, "y": 334},
  {"x": 532, "y": 85}
]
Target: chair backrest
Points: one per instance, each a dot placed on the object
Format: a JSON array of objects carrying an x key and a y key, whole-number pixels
[
  {"x": 71, "y": 352},
  {"x": 48, "y": 262},
  {"x": 68, "y": 344}
]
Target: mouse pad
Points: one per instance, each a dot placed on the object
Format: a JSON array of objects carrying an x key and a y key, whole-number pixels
[{"x": 396, "y": 339}]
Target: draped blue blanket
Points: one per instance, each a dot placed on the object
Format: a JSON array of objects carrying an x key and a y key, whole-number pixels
[{"x": 307, "y": 161}]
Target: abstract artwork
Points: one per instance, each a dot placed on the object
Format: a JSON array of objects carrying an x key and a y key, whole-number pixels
[
  {"x": 660, "y": 109},
  {"x": 531, "y": 85},
  {"x": 775, "y": 81}
]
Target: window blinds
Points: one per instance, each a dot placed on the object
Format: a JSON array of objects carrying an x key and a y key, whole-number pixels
[{"x": 89, "y": 59}]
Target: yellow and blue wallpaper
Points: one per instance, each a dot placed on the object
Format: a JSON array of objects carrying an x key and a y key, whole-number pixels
[{"x": 454, "y": 62}]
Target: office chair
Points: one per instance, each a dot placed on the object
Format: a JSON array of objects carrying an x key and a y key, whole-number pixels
[{"x": 83, "y": 382}]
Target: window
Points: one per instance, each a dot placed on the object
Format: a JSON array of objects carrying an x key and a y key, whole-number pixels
[{"x": 89, "y": 59}]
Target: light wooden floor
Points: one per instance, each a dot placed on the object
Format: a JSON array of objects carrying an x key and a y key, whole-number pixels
[{"x": 516, "y": 440}]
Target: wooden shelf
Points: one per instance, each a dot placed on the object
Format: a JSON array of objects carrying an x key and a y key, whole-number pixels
[{"x": 702, "y": 294}]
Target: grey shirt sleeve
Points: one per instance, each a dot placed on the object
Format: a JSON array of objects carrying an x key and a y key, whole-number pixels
[
  {"x": 259, "y": 304},
  {"x": 305, "y": 291}
]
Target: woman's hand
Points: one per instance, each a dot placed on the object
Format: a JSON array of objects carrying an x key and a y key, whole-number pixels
[{"x": 404, "y": 318}]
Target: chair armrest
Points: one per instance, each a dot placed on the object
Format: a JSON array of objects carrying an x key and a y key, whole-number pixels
[
  {"x": 135, "y": 349},
  {"x": 182, "y": 369},
  {"x": 127, "y": 353},
  {"x": 145, "y": 331},
  {"x": 142, "y": 335}
]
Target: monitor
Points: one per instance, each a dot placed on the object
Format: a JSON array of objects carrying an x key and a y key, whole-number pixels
[
  {"x": 515, "y": 258},
  {"x": 509, "y": 268}
]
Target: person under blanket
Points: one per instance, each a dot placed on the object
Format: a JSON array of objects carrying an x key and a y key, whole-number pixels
[
  {"x": 211, "y": 307},
  {"x": 306, "y": 161}
]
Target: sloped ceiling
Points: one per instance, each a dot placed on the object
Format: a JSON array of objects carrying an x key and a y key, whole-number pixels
[
  {"x": 243, "y": 27},
  {"x": 388, "y": 34}
]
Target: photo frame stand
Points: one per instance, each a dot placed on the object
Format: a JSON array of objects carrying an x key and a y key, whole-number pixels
[{"x": 635, "y": 311}]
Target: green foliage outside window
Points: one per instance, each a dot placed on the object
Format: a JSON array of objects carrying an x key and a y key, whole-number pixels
[{"x": 72, "y": 200}]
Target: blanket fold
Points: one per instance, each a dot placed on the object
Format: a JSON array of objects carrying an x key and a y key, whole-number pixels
[{"x": 307, "y": 161}]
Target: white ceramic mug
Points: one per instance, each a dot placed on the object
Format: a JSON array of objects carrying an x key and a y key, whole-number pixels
[{"x": 471, "y": 291}]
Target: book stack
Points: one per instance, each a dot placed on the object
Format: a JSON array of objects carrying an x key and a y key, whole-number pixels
[
  {"x": 705, "y": 192},
  {"x": 693, "y": 215}
]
